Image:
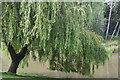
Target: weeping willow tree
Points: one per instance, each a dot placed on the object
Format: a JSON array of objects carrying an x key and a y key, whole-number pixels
[{"x": 57, "y": 32}]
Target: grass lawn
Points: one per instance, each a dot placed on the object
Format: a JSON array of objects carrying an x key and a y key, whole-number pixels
[
  {"x": 112, "y": 46},
  {"x": 24, "y": 76}
]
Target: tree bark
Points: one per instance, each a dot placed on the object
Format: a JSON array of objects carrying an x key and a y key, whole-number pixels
[
  {"x": 108, "y": 25},
  {"x": 118, "y": 31},
  {"x": 13, "y": 66},
  {"x": 115, "y": 28},
  {"x": 16, "y": 58}
]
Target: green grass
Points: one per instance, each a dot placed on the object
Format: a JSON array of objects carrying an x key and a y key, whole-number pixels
[
  {"x": 111, "y": 43},
  {"x": 25, "y": 76},
  {"x": 22, "y": 75},
  {"x": 111, "y": 47}
]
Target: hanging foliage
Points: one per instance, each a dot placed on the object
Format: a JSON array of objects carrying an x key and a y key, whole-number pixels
[{"x": 57, "y": 32}]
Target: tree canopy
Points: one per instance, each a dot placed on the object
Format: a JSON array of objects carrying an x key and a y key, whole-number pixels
[{"x": 55, "y": 31}]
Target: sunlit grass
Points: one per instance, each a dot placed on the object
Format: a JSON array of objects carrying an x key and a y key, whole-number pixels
[
  {"x": 111, "y": 43},
  {"x": 25, "y": 76},
  {"x": 111, "y": 47},
  {"x": 21, "y": 75}
]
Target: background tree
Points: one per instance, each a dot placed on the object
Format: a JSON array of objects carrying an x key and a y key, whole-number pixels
[
  {"x": 96, "y": 20},
  {"x": 114, "y": 20},
  {"x": 58, "y": 32}
]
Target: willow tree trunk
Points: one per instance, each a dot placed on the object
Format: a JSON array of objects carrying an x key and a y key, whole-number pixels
[
  {"x": 16, "y": 58},
  {"x": 13, "y": 66}
]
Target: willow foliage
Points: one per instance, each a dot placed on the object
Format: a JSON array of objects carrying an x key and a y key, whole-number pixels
[{"x": 57, "y": 32}]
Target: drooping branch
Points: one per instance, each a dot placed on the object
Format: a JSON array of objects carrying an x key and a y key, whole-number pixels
[{"x": 32, "y": 37}]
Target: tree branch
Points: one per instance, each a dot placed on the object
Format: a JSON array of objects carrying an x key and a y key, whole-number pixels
[
  {"x": 23, "y": 52},
  {"x": 115, "y": 28},
  {"x": 11, "y": 50}
]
